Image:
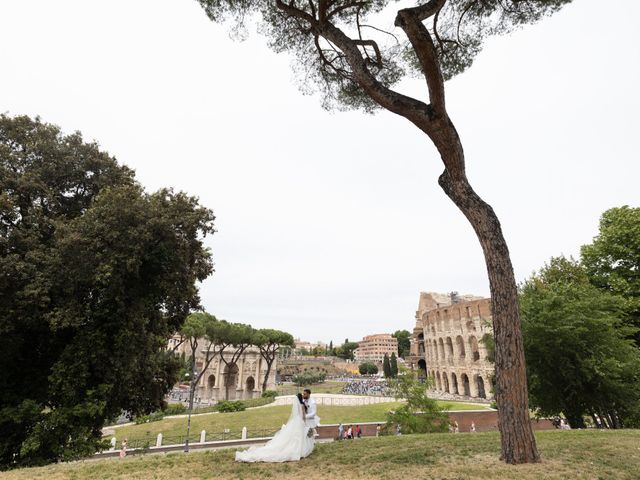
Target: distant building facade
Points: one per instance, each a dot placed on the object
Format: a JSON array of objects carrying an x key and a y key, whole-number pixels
[
  {"x": 242, "y": 380},
  {"x": 304, "y": 347},
  {"x": 447, "y": 346},
  {"x": 373, "y": 348}
]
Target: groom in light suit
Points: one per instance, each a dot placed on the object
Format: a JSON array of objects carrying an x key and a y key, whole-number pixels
[{"x": 311, "y": 418}]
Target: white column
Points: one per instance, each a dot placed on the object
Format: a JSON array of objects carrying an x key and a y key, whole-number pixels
[
  {"x": 258, "y": 378},
  {"x": 240, "y": 373},
  {"x": 244, "y": 433},
  {"x": 159, "y": 440},
  {"x": 203, "y": 436}
]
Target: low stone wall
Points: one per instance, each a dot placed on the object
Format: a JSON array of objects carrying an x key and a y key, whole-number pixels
[
  {"x": 336, "y": 399},
  {"x": 485, "y": 421}
]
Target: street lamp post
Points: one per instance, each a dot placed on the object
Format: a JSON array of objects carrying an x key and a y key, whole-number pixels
[{"x": 193, "y": 377}]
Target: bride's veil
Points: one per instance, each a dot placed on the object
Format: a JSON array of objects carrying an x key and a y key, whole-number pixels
[{"x": 295, "y": 410}]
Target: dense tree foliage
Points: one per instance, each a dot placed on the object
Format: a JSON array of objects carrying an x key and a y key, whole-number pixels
[
  {"x": 367, "y": 368},
  {"x": 345, "y": 351},
  {"x": 345, "y": 50},
  {"x": 270, "y": 341},
  {"x": 612, "y": 260},
  {"x": 393, "y": 365},
  {"x": 386, "y": 366},
  {"x": 419, "y": 414},
  {"x": 404, "y": 342},
  {"x": 579, "y": 358},
  {"x": 96, "y": 276}
]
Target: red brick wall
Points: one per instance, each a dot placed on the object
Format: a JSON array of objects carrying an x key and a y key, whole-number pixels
[{"x": 485, "y": 420}]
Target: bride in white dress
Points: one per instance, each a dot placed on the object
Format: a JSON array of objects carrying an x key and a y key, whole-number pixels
[{"x": 290, "y": 443}]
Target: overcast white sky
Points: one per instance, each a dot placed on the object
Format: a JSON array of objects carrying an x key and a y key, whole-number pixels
[{"x": 330, "y": 224}]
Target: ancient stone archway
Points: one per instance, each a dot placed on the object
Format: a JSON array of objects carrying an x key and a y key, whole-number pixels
[
  {"x": 450, "y": 350},
  {"x": 422, "y": 365},
  {"x": 460, "y": 347},
  {"x": 441, "y": 347},
  {"x": 465, "y": 385},
  {"x": 454, "y": 383},
  {"x": 211, "y": 382},
  {"x": 480, "y": 384},
  {"x": 438, "y": 382},
  {"x": 445, "y": 382},
  {"x": 475, "y": 353},
  {"x": 250, "y": 384}
]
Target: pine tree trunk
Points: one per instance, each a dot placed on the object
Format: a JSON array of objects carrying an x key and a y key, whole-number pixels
[
  {"x": 518, "y": 442},
  {"x": 266, "y": 376}
]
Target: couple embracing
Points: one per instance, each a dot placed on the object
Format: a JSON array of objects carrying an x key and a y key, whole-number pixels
[{"x": 295, "y": 440}]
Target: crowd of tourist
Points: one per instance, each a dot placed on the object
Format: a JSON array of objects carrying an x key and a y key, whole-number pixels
[{"x": 367, "y": 387}]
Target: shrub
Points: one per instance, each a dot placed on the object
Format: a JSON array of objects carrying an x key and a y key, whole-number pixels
[
  {"x": 269, "y": 394},
  {"x": 175, "y": 409},
  {"x": 231, "y": 406},
  {"x": 152, "y": 417},
  {"x": 308, "y": 378}
]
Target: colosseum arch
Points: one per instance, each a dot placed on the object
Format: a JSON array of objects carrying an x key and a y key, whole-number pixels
[
  {"x": 445, "y": 382},
  {"x": 454, "y": 383},
  {"x": 450, "y": 350},
  {"x": 211, "y": 382},
  {"x": 438, "y": 382},
  {"x": 480, "y": 385},
  {"x": 422, "y": 366},
  {"x": 421, "y": 344},
  {"x": 466, "y": 390},
  {"x": 473, "y": 343},
  {"x": 460, "y": 347}
]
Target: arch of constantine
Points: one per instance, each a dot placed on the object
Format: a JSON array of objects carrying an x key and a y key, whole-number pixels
[
  {"x": 446, "y": 344},
  {"x": 234, "y": 381}
]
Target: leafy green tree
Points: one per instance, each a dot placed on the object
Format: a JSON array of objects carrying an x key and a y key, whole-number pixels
[
  {"x": 367, "y": 368},
  {"x": 270, "y": 342},
  {"x": 96, "y": 276},
  {"x": 239, "y": 337},
  {"x": 344, "y": 50},
  {"x": 386, "y": 366},
  {"x": 393, "y": 365},
  {"x": 578, "y": 359},
  {"x": 419, "y": 414},
  {"x": 345, "y": 351},
  {"x": 404, "y": 342},
  {"x": 490, "y": 346},
  {"x": 612, "y": 260}
]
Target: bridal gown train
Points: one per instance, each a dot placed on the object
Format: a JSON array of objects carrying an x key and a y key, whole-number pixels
[{"x": 291, "y": 443}]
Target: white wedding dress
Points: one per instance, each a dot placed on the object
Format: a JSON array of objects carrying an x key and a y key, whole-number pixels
[{"x": 290, "y": 444}]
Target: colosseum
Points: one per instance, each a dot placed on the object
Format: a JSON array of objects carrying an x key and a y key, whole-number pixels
[{"x": 447, "y": 344}]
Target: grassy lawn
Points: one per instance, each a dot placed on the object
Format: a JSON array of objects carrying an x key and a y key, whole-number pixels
[
  {"x": 587, "y": 454},
  {"x": 265, "y": 419}
]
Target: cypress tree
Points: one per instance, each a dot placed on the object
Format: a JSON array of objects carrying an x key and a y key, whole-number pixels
[
  {"x": 393, "y": 365},
  {"x": 386, "y": 366}
]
